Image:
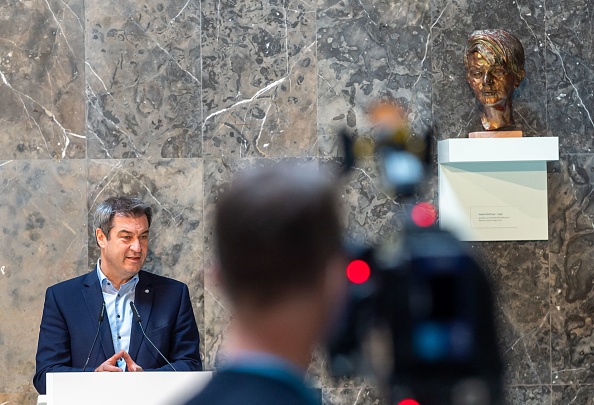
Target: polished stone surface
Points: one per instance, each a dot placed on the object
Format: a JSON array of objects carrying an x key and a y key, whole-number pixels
[
  {"x": 372, "y": 213},
  {"x": 19, "y": 399},
  {"x": 569, "y": 59},
  {"x": 168, "y": 100},
  {"x": 519, "y": 272},
  {"x": 143, "y": 78},
  {"x": 354, "y": 396},
  {"x": 42, "y": 78},
  {"x": 572, "y": 238},
  {"x": 530, "y": 395},
  {"x": 43, "y": 242},
  {"x": 369, "y": 51},
  {"x": 259, "y": 75},
  {"x": 572, "y": 394}
]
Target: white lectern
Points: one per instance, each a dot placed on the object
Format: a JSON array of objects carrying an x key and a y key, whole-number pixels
[
  {"x": 495, "y": 189},
  {"x": 149, "y": 388}
]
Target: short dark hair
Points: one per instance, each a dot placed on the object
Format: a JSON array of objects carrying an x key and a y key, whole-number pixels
[
  {"x": 276, "y": 230},
  {"x": 119, "y": 205}
]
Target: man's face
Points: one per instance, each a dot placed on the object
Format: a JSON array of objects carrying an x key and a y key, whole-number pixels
[
  {"x": 124, "y": 253},
  {"x": 492, "y": 84}
]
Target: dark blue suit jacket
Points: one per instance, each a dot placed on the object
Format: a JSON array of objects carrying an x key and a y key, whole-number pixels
[
  {"x": 256, "y": 385},
  {"x": 70, "y": 320}
]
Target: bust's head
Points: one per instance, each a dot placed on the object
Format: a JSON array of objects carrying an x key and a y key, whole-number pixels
[{"x": 494, "y": 61}]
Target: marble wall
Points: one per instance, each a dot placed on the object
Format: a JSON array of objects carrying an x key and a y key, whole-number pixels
[{"x": 167, "y": 100}]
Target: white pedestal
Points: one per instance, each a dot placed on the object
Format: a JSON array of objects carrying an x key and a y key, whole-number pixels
[{"x": 496, "y": 188}]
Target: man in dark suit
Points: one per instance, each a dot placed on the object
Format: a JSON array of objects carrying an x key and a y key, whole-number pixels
[
  {"x": 278, "y": 243},
  {"x": 75, "y": 309}
]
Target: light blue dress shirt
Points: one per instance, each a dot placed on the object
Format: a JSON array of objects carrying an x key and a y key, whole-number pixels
[{"x": 119, "y": 313}]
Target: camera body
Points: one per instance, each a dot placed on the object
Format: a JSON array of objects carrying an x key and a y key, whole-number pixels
[{"x": 432, "y": 305}]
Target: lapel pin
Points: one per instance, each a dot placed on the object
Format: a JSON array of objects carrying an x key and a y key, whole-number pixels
[{"x": 146, "y": 291}]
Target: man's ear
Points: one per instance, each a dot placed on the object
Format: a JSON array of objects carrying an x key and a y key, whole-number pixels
[
  {"x": 335, "y": 282},
  {"x": 215, "y": 275},
  {"x": 101, "y": 237}
]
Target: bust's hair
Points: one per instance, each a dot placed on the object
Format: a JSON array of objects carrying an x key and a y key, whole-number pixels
[
  {"x": 499, "y": 47},
  {"x": 276, "y": 230}
]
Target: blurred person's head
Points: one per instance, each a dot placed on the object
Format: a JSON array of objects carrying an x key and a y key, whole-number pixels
[{"x": 278, "y": 241}]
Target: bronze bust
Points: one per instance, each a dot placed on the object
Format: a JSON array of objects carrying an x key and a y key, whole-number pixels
[{"x": 494, "y": 61}]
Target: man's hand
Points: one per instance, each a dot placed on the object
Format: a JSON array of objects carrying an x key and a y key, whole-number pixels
[
  {"x": 131, "y": 366},
  {"x": 109, "y": 365}
]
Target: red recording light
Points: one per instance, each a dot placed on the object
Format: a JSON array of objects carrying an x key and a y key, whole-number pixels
[
  {"x": 424, "y": 215},
  {"x": 408, "y": 401},
  {"x": 358, "y": 271}
]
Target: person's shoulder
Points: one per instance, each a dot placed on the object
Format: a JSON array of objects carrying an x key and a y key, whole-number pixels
[
  {"x": 156, "y": 279},
  {"x": 226, "y": 389},
  {"x": 72, "y": 282},
  {"x": 231, "y": 387}
]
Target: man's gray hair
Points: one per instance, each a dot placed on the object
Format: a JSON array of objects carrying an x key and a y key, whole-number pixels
[{"x": 120, "y": 205}]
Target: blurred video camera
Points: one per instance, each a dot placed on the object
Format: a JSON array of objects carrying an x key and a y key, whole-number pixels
[{"x": 419, "y": 315}]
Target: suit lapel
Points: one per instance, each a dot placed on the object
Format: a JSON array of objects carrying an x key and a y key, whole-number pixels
[
  {"x": 94, "y": 299},
  {"x": 143, "y": 300}
]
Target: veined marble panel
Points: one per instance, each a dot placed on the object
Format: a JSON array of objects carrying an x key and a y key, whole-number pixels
[
  {"x": 143, "y": 79},
  {"x": 43, "y": 217},
  {"x": 519, "y": 275},
  {"x": 456, "y": 112},
  {"x": 367, "y": 52},
  {"x": 372, "y": 213},
  {"x": 42, "y": 107},
  {"x": 529, "y": 395},
  {"x": 573, "y": 394},
  {"x": 572, "y": 273},
  {"x": 174, "y": 189},
  {"x": 352, "y": 396},
  {"x": 259, "y": 76},
  {"x": 19, "y": 399},
  {"x": 570, "y": 78}
]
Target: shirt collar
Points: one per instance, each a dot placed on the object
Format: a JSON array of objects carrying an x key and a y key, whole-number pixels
[
  {"x": 271, "y": 366},
  {"x": 106, "y": 285},
  {"x": 265, "y": 359}
]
